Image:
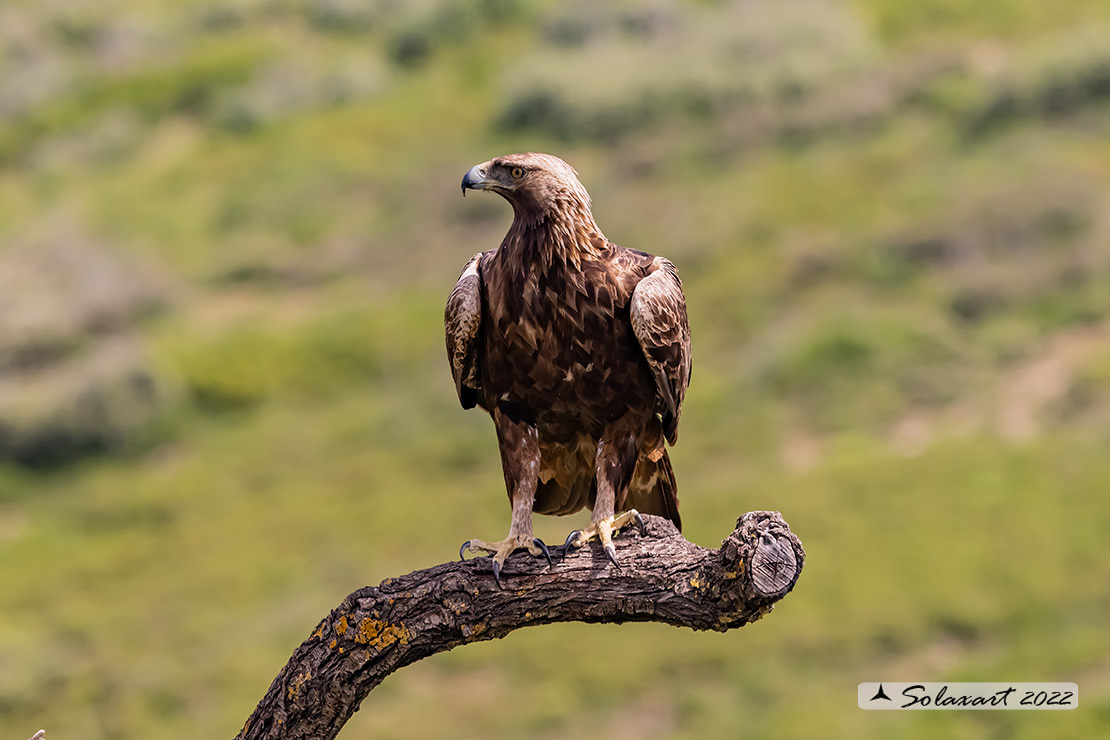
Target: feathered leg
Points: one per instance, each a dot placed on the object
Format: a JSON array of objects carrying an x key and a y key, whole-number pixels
[
  {"x": 615, "y": 462},
  {"x": 520, "y": 462}
]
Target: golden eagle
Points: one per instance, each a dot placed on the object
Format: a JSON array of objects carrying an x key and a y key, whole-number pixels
[{"x": 580, "y": 351}]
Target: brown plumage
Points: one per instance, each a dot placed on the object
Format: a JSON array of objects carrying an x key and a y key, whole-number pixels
[{"x": 578, "y": 348}]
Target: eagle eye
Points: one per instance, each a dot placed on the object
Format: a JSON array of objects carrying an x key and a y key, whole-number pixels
[{"x": 517, "y": 172}]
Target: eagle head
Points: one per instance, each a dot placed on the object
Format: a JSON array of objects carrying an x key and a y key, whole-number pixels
[{"x": 535, "y": 184}]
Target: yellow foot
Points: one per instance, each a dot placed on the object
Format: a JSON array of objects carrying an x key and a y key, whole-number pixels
[
  {"x": 503, "y": 549},
  {"x": 603, "y": 529}
]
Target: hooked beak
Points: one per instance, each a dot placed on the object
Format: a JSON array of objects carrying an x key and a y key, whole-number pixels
[{"x": 475, "y": 179}]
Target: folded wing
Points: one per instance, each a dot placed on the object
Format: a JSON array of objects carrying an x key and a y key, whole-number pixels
[
  {"x": 462, "y": 321},
  {"x": 658, "y": 314}
]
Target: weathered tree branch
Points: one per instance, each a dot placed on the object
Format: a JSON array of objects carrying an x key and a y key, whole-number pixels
[{"x": 663, "y": 578}]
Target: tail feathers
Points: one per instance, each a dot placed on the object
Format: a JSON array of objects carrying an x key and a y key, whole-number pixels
[{"x": 654, "y": 490}]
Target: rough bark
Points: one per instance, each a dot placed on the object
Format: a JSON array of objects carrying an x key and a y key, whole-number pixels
[{"x": 662, "y": 578}]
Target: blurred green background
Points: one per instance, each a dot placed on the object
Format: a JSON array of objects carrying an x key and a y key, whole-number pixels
[{"x": 227, "y": 232}]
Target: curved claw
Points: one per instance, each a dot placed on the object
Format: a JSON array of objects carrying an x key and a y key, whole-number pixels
[
  {"x": 611, "y": 553},
  {"x": 543, "y": 548},
  {"x": 569, "y": 544},
  {"x": 640, "y": 523},
  {"x": 497, "y": 573},
  {"x": 462, "y": 550}
]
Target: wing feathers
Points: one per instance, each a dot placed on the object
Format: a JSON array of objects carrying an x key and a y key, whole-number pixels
[
  {"x": 658, "y": 314},
  {"x": 462, "y": 320}
]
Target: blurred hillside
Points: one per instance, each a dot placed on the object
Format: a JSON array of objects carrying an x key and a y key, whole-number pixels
[{"x": 227, "y": 231}]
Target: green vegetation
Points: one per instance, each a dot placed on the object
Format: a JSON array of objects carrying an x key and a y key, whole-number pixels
[{"x": 227, "y": 230}]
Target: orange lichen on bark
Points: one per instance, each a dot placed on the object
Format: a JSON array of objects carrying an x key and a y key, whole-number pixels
[
  {"x": 473, "y": 630},
  {"x": 379, "y": 634},
  {"x": 298, "y": 682}
]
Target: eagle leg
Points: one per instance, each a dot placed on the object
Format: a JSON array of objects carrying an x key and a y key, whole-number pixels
[
  {"x": 506, "y": 547},
  {"x": 617, "y": 452},
  {"x": 520, "y": 459},
  {"x": 603, "y": 530}
]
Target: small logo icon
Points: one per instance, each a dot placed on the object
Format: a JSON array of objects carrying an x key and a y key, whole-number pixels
[{"x": 880, "y": 694}]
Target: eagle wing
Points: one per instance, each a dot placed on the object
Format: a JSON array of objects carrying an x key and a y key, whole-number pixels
[
  {"x": 658, "y": 314},
  {"x": 462, "y": 320}
]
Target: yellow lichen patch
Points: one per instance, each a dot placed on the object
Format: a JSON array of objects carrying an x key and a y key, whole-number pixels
[
  {"x": 457, "y": 603},
  {"x": 319, "y": 631},
  {"x": 695, "y": 583},
  {"x": 332, "y": 644},
  {"x": 298, "y": 682},
  {"x": 341, "y": 626},
  {"x": 474, "y": 630},
  {"x": 379, "y": 634}
]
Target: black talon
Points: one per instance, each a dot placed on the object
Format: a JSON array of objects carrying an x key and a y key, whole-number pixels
[
  {"x": 568, "y": 545},
  {"x": 640, "y": 523},
  {"x": 463, "y": 549},
  {"x": 497, "y": 574},
  {"x": 611, "y": 553},
  {"x": 546, "y": 553}
]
